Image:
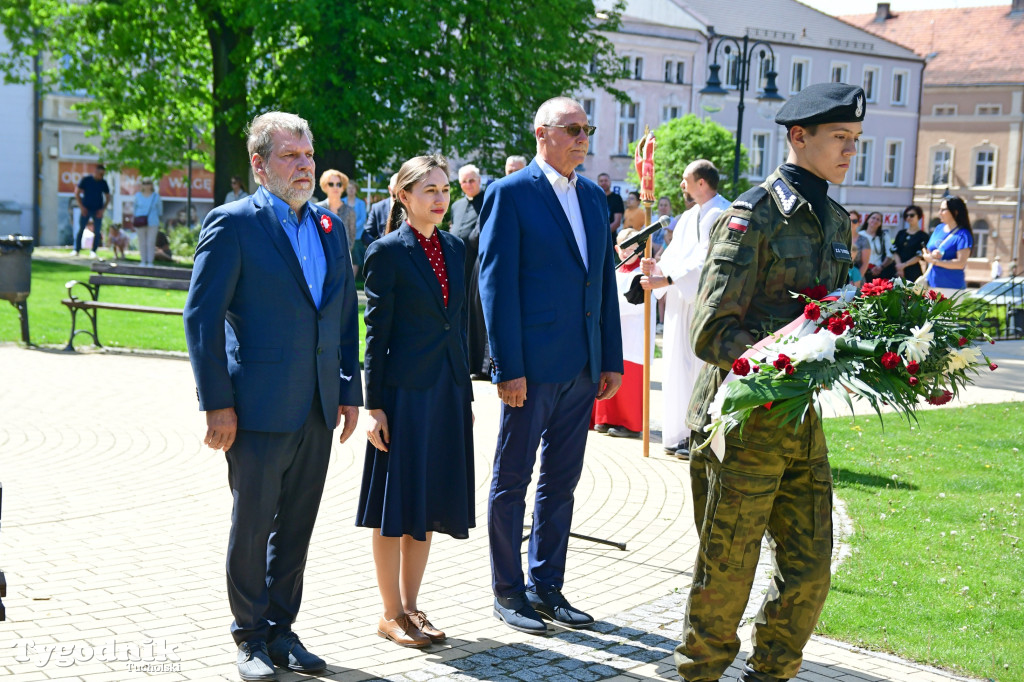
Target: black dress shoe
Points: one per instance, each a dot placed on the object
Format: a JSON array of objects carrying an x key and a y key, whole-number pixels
[
  {"x": 517, "y": 613},
  {"x": 254, "y": 664},
  {"x": 623, "y": 432},
  {"x": 286, "y": 651},
  {"x": 602, "y": 428},
  {"x": 552, "y": 605}
]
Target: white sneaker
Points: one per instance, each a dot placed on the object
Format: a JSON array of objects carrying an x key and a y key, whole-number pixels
[
  {"x": 74, "y": 254},
  {"x": 92, "y": 254}
]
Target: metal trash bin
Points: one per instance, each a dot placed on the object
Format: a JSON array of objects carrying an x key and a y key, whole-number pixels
[{"x": 16, "y": 275}]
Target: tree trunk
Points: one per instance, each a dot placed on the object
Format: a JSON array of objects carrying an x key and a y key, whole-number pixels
[{"x": 229, "y": 108}]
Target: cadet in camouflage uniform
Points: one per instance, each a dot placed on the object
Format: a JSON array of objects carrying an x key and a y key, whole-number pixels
[{"x": 783, "y": 236}]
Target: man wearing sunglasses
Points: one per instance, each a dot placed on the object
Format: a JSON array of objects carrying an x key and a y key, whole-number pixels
[{"x": 548, "y": 290}]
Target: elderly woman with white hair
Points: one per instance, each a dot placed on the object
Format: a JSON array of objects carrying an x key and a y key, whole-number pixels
[{"x": 148, "y": 209}]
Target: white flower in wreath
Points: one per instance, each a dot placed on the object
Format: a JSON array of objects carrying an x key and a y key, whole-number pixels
[
  {"x": 920, "y": 342},
  {"x": 814, "y": 348},
  {"x": 962, "y": 359}
]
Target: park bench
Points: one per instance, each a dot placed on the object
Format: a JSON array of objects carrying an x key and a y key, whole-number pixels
[{"x": 120, "y": 275}]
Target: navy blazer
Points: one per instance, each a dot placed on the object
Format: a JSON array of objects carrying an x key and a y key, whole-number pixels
[
  {"x": 547, "y": 315},
  {"x": 376, "y": 221},
  {"x": 255, "y": 338},
  {"x": 408, "y": 328}
]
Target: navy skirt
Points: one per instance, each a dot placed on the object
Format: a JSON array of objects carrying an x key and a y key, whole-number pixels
[{"x": 425, "y": 481}]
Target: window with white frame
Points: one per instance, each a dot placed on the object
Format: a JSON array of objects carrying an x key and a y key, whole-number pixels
[
  {"x": 942, "y": 158},
  {"x": 839, "y": 72},
  {"x": 900, "y": 85},
  {"x": 862, "y": 162},
  {"x": 759, "y": 154},
  {"x": 984, "y": 167},
  {"x": 944, "y": 110},
  {"x": 629, "y": 114},
  {"x": 980, "y": 230},
  {"x": 764, "y": 66},
  {"x": 870, "y": 83},
  {"x": 893, "y": 162},
  {"x": 590, "y": 109},
  {"x": 638, "y": 69},
  {"x": 989, "y": 110},
  {"x": 731, "y": 78},
  {"x": 671, "y": 112},
  {"x": 800, "y": 72},
  {"x": 675, "y": 70}
]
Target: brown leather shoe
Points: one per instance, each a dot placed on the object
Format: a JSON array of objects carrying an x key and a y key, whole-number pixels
[
  {"x": 419, "y": 619},
  {"x": 402, "y": 632}
]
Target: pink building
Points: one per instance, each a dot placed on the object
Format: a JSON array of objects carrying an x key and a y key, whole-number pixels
[{"x": 667, "y": 46}]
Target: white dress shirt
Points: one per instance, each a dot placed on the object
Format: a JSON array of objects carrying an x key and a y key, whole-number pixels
[{"x": 565, "y": 190}]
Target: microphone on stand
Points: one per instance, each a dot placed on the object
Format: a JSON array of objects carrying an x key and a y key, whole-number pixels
[{"x": 643, "y": 235}]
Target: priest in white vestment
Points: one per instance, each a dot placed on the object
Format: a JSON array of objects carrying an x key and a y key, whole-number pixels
[{"x": 675, "y": 277}]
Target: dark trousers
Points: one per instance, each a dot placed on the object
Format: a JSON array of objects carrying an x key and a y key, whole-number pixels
[
  {"x": 97, "y": 226},
  {"x": 276, "y": 480},
  {"x": 556, "y": 417}
]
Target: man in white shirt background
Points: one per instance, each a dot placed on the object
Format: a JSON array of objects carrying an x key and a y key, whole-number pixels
[{"x": 675, "y": 278}]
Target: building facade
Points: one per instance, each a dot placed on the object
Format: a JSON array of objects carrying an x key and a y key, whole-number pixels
[
  {"x": 808, "y": 47},
  {"x": 971, "y": 138},
  {"x": 17, "y": 105}
]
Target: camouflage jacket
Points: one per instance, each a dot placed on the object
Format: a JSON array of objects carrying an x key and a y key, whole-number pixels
[{"x": 765, "y": 246}]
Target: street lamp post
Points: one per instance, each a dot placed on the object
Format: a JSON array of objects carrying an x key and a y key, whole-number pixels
[{"x": 713, "y": 94}]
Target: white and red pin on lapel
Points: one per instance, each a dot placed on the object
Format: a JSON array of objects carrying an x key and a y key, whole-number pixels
[{"x": 325, "y": 222}]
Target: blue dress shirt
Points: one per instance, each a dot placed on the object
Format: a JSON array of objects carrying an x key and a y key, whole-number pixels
[{"x": 304, "y": 237}]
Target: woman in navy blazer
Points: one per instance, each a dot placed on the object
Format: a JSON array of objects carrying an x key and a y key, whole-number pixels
[{"x": 418, "y": 472}]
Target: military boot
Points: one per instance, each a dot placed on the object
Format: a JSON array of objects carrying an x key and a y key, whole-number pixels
[{"x": 751, "y": 675}]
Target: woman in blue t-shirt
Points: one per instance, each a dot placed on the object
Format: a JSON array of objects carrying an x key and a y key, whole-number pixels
[{"x": 950, "y": 246}]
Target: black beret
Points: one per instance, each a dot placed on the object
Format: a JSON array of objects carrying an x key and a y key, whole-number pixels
[{"x": 823, "y": 103}]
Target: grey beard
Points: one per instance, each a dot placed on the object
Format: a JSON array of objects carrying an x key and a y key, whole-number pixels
[{"x": 286, "y": 191}]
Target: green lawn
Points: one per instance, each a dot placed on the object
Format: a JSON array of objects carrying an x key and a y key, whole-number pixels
[
  {"x": 50, "y": 322},
  {"x": 937, "y": 569}
]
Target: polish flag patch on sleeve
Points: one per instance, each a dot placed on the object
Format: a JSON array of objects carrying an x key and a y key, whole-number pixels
[{"x": 738, "y": 224}]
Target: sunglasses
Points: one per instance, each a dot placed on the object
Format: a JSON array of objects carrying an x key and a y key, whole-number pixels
[
  {"x": 909, "y": 215},
  {"x": 574, "y": 129},
  {"x": 334, "y": 184}
]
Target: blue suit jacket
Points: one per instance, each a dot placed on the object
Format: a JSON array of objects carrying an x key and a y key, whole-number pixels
[
  {"x": 255, "y": 339},
  {"x": 408, "y": 328},
  {"x": 376, "y": 221},
  {"x": 547, "y": 316}
]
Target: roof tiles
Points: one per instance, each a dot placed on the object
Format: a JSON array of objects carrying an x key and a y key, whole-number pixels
[{"x": 969, "y": 45}]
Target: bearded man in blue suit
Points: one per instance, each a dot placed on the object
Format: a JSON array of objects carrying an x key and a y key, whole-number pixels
[
  {"x": 547, "y": 285},
  {"x": 272, "y": 331}
]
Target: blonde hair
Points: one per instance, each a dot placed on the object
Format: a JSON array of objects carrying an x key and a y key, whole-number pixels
[
  {"x": 328, "y": 174},
  {"x": 411, "y": 172},
  {"x": 624, "y": 234}
]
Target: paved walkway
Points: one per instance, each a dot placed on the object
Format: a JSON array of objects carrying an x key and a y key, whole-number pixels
[{"x": 115, "y": 521}]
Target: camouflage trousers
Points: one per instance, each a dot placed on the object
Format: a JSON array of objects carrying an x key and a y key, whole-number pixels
[{"x": 735, "y": 502}]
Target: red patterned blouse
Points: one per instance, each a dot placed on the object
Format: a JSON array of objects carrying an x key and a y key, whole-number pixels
[{"x": 432, "y": 247}]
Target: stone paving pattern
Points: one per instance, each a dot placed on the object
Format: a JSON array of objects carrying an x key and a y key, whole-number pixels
[{"x": 115, "y": 522}]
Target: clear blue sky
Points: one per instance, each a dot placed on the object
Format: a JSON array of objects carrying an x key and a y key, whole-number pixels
[{"x": 868, "y": 6}]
